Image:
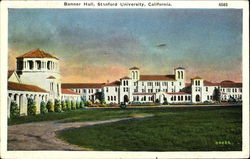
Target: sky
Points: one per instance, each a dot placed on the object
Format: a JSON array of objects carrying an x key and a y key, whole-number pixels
[{"x": 96, "y": 45}]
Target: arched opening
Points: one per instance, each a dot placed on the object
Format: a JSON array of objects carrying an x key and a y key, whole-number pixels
[
  {"x": 125, "y": 98},
  {"x": 39, "y": 65},
  {"x": 178, "y": 74},
  {"x": 31, "y": 65},
  {"x": 136, "y": 75},
  {"x": 49, "y": 65},
  {"x": 181, "y": 74},
  {"x": 197, "y": 98},
  {"x": 133, "y": 74}
]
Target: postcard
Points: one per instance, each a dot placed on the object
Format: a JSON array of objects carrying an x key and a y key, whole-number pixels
[{"x": 124, "y": 79}]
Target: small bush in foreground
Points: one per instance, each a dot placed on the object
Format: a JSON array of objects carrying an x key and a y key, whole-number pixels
[
  {"x": 64, "y": 106},
  {"x": 31, "y": 107},
  {"x": 14, "y": 110},
  {"x": 68, "y": 103},
  {"x": 73, "y": 105},
  {"x": 58, "y": 107},
  {"x": 81, "y": 104},
  {"x": 43, "y": 108},
  {"x": 50, "y": 106}
]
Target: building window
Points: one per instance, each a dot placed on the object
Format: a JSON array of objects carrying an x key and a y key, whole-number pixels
[
  {"x": 174, "y": 98},
  {"x": 108, "y": 98},
  {"x": 134, "y": 83},
  {"x": 181, "y": 97},
  {"x": 235, "y": 89},
  {"x": 186, "y": 98},
  {"x": 240, "y": 89},
  {"x": 180, "y": 83},
  {"x": 172, "y": 83},
  {"x": 206, "y": 88},
  {"x": 124, "y": 89},
  {"x": 189, "y": 97},
  {"x": 116, "y": 89},
  {"x": 127, "y": 83},
  {"x": 107, "y": 89},
  {"x": 127, "y": 89},
  {"x": 207, "y": 97},
  {"x": 124, "y": 83},
  {"x": 142, "y": 83},
  {"x": 111, "y": 98}
]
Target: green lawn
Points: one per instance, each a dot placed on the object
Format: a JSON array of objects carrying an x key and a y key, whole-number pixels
[{"x": 171, "y": 129}]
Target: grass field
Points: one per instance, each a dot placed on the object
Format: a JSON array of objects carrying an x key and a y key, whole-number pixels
[{"x": 171, "y": 129}]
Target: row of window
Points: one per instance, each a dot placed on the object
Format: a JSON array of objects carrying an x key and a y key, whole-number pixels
[
  {"x": 37, "y": 64},
  {"x": 156, "y": 83},
  {"x": 111, "y": 98},
  {"x": 180, "y": 98},
  {"x": 209, "y": 97},
  {"x": 125, "y": 83},
  {"x": 144, "y": 98},
  {"x": 231, "y": 90},
  {"x": 116, "y": 89}
]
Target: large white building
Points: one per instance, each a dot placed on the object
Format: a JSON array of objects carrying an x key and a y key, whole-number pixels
[
  {"x": 137, "y": 88},
  {"x": 37, "y": 76}
]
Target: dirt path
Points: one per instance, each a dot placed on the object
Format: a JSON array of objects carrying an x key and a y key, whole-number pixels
[{"x": 42, "y": 135}]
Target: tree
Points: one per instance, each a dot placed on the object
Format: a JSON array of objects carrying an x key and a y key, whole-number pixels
[
  {"x": 216, "y": 94},
  {"x": 58, "y": 106},
  {"x": 14, "y": 111},
  {"x": 31, "y": 106},
  {"x": 50, "y": 106},
  {"x": 64, "y": 106},
  {"x": 43, "y": 108}
]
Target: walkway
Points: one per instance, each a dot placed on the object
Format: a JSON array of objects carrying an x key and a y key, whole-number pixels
[{"x": 42, "y": 135}]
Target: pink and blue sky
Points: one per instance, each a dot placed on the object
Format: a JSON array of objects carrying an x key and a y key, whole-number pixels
[{"x": 96, "y": 45}]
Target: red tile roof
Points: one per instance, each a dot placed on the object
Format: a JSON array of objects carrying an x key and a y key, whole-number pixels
[
  {"x": 126, "y": 77},
  {"x": 157, "y": 77},
  {"x": 24, "y": 87},
  {"x": 180, "y": 68},
  {"x": 187, "y": 84},
  {"x": 115, "y": 83},
  {"x": 134, "y": 68},
  {"x": 208, "y": 83},
  {"x": 228, "y": 83},
  {"x": 10, "y": 72},
  {"x": 143, "y": 93},
  {"x": 176, "y": 93},
  {"x": 82, "y": 85},
  {"x": 196, "y": 77},
  {"x": 68, "y": 91},
  {"x": 37, "y": 54},
  {"x": 51, "y": 77}
]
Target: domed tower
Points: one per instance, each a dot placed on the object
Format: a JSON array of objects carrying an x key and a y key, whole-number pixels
[
  {"x": 134, "y": 73},
  {"x": 42, "y": 69}
]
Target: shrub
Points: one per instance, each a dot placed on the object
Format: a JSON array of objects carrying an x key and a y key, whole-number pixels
[
  {"x": 88, "y": 103},
  {"x": 58, "y": 107},
  {"x": 77, "y": 104},
  {"x": 68, "y": 103},
  {"x": 43, "y": 108},
  {"x": 14, "y": 110},
  {"x": 64, "y": 105},
  {"x": 81, "y": 104},
  {"x": 31, "y": 107},
  {"x": 165, "y": 103},
  {"x": 50, "y": 106},
  {"x": 73, "y": 105}
]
